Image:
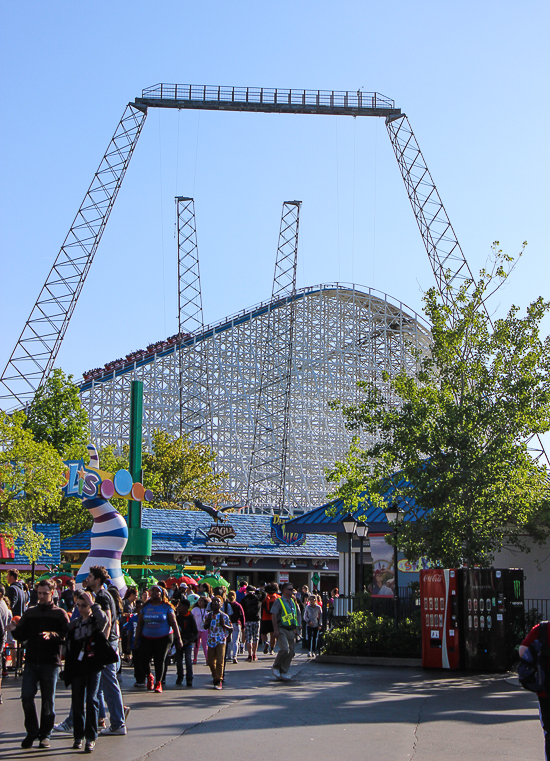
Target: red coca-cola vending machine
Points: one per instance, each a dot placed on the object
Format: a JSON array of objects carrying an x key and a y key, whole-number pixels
[
  {"x": 472, "y": 618},
  {"x": 439, "y": 598}
]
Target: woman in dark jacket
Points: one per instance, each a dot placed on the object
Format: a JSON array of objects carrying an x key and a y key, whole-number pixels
[
  {"x": 189, "y": 633},
  {"x": 82, "y": 674}
]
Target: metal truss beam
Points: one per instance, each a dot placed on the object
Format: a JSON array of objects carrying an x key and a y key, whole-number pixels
[
  {"x": 268, "y": 100},
  {"x": 195, "y": 418},
  {"x": 268, "y": 464},
  {"x": 438, "y": 236},
  {"x": 36, "y": 350}
]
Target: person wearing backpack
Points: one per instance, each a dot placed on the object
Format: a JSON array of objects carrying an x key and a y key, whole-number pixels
[{"x": 530, "y": 651}]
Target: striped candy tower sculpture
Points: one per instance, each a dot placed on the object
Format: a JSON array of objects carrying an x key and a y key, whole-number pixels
[{"x": 109, "y": 535}]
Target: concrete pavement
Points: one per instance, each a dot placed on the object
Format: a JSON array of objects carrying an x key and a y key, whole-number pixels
[{"x": 328, "y": 711}]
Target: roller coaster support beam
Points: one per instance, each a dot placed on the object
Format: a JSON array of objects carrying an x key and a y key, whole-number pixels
[{"x": 36, "y": 350}]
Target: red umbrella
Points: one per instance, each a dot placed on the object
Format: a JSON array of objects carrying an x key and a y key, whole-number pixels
[{"x": 180, "y": 580}]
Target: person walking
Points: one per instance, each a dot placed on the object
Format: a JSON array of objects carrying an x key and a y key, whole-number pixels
[
  {"x": 286, "y": 618},
  {"x": 237, "y": 619},
  {"x": 218, "y": 626},
  {"x": 252, "y": 608},
  {"x": 188, "y": 631},
  {"x": 266, "y": 627},
  {"x": 156, "y": 622},
  {"x": 43, "y": 627},
  {"x": 544, "y": 698},
  {"x": 199, "y": 613},
  {"x": 312, "y": 617},
  {"x": 15, "y": 593},
  {"x": 94, "y": 582},
  {"x": 82, "y": 669},
  {"x": 129, "y": 601},
  {"x": 5, "y": 618}
]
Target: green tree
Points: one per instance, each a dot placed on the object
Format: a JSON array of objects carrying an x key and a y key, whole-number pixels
[
  {"x": 177, "y": 471},
  {"x": 56, "y": 415},
  {"x": 31, "y": 477},
  {"x": 457, "y": 436}
]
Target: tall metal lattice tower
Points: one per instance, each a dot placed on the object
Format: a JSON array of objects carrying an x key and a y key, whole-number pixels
[
  {"x": 268, "y": 464},
  {"x": 438, "y": 236},
  {"x": 36, "y": 350},
  {"x": 195, "y": 417}
]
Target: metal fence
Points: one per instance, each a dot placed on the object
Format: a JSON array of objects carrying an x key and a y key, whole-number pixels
[{"x": 338, "y": 608}]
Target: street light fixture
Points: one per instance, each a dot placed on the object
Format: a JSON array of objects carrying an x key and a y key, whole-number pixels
[
  {"x": 395, "y": 516},
  {"x": 350, "y": 526},
  {"x": 361, "y": 530}
]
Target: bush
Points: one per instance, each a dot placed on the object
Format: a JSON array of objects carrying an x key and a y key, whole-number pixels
[{"x": 366, "y": 634}]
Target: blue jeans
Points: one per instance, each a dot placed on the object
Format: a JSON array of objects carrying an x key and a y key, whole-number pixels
[
  {"x": 113, "y": 696},
  {"x": 85, "y": 705},
  {"x": 35, "y": 674},
  {"x": 188, "y": 652}
]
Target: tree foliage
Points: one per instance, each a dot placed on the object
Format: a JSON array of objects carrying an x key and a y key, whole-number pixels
[
  {"x": 31, "y": 477},
  {"x": 56, "y": 415},
  {"x": 457, "y": 438},
  {"x": 177, "y": 471}
]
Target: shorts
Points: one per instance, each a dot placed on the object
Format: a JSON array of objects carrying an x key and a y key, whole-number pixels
[
  {"x": 251, "y": 632},
  {"x": 266, "y": 627}
]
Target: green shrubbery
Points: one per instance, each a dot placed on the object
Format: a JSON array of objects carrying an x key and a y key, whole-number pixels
[{"x": 368, "y": 634}]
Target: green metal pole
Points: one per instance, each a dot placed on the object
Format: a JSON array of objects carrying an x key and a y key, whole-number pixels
[
  {"x": 138, "y": 549},
  {"x": 136, "y": 426}
]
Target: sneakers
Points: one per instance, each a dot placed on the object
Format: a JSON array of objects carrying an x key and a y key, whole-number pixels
[
  {"x": 150, "y": 682},
  {"x": 179, "y": 680},
  {"x": 64, "y": 727},
  {"x": 158, "y": 687},
  {"x": 249, "y": 659},
  {"x": 235, "y": 660},
  {"x": 28, "y": 741},
  {"x": 77, "y": 745},
  {"x": 189, "y": 684},
  {"x": 44, "y": 742},
  {"x": 310, "y": 654},
  {"x": 127, "y": 710},
  {"x": 90, "y": 745},
  {"x": 276, "y": 673},
  {"x": 139, "y": 684},
  {"x": 218, "y": 686},
  {"x": 266, "y": 649},
  {"x": 286, "y": 677},
  {"x": 108, "y": 731}
]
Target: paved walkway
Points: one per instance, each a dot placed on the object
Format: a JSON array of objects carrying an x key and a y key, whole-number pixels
[{"x": 328, "y": 711}]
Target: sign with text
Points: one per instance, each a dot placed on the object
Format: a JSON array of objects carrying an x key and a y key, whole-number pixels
[{"x": 280, "y": 536}]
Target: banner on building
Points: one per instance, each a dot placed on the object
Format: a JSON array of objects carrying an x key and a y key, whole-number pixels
[{"x": 383, "y": 578}]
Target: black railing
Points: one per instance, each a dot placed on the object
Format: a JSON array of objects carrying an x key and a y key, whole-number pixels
[{"x": 339, "y": 608}]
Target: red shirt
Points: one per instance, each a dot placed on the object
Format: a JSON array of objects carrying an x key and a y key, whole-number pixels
[{"x": 529, "y": 639}]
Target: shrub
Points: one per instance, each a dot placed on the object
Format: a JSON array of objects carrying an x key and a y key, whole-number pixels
[{"x": 367, "y": 634}]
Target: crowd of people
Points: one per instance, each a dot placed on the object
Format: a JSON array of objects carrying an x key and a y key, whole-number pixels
[{"x": 82, "y": 636}]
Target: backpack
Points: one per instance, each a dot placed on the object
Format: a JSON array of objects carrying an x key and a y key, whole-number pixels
[{"x": 532, "y": 668}]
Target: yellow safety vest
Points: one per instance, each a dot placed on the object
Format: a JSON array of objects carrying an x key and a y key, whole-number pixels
[{"x": 289, "y": 617}]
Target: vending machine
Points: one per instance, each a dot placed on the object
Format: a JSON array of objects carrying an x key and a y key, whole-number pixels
[
  {"x": 472, "y": 618},
  {"x": 440, "y": 610}
]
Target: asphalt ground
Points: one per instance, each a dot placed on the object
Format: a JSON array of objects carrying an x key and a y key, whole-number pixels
[{"x": 327, "y": 711}]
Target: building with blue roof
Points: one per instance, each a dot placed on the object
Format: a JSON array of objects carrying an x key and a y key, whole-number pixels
[
  {"x": 252, "y": 552},
  {"x": 48, "y": 557}
]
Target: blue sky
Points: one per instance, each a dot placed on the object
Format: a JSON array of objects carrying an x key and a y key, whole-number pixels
[{"x": 472, "y": 77}]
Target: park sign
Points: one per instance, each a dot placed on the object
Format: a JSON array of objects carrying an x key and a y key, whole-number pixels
[
  {"x": 86, "y": 482},
  {"x": 221, "y": 532},
  {"x": 280, "y": 536}
]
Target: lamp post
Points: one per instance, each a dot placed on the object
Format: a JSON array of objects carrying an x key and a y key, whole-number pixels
[
  {"x": 395, "y": 516},
  {"x": 361, "y": 530},
  {"x": 350, "y": 524}
]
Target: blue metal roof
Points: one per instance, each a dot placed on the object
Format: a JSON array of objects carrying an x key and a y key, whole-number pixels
[
  {"x": 179, "y": 531},
  {"x": 48, "y": 557},
  {"x": 318, "y": 521}
]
